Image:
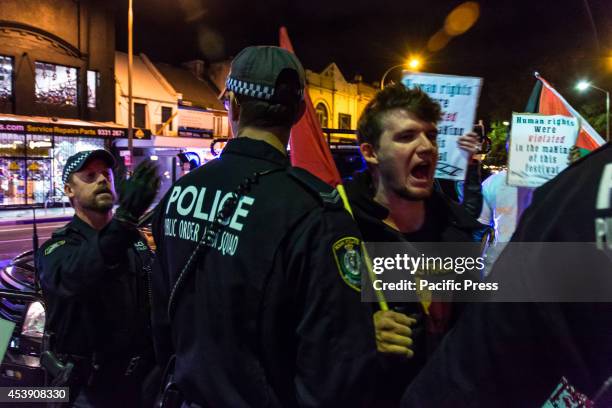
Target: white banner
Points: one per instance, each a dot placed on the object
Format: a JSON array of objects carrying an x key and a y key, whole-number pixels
[
  {"x": 458, "y": 98},
  {"x": 539, "y": 147}
]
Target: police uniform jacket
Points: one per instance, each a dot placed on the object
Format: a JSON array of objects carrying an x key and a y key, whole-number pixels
[
  {"x": 96, "y": 290},
  {"x": 271, "y": 316}
]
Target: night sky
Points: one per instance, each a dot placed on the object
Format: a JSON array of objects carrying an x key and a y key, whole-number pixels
[{"x": 564, "y": 40}]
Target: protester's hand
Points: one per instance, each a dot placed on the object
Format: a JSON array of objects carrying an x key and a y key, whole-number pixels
[
  {"x": 137, "y": 193},
  {"x": 470, "y": 142},
  {"x": 393, "y": 333},
  {"x": 574, "y": 155}
]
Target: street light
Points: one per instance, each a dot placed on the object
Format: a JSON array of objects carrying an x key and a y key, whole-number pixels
[
  {"x": 583, "y": 86},
  {"x": 413, "y": 64}
]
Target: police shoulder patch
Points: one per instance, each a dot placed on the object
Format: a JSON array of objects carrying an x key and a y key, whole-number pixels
[
  {"x": 349, "y": 260},
  {"x": 54, "y": 246}
]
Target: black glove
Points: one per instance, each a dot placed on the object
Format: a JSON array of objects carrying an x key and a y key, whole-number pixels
[{"x": 137, "y": 193}]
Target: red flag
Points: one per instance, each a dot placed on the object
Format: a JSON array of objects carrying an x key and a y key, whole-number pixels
[
  {"x": 309, "y": 150},
  {"x": 552, "y": 103}
]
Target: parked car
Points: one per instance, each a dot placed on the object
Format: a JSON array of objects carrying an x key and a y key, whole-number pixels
[{"x": 21, "y": 364}]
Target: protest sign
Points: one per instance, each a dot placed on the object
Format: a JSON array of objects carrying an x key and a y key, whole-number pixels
[
  {"x": 539, "y": 147},
  {"x": 458, "y": 98}
]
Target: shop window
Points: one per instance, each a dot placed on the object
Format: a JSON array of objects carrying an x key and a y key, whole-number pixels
[
  {"x": 64, "y": 147},
  {"x": 6, "y": 78},
  {"x": 344, "y": 121},
  {"x": 38, "y": 182},
  {"x": 31, "y": 165},
  {"x": 140, "y": 116},
  {"x": 93, "y": 82},
  {"x": 38, "y": 146},
  {"x": 12, "y": 181},
  {"x": 166, "y": 113},
  {"x": 12, "y": 145},
  {"x": 55, "y": 84},
  {"x": 322, "y": 114}
]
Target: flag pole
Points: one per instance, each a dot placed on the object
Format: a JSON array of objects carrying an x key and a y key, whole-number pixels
[{"x": 380, "y": 297}]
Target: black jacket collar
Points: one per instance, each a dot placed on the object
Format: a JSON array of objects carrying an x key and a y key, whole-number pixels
[
  {"x": 81, "y": 226},
  {"x": 245, "y": 146},
  {"x": 360, "y": 192}
]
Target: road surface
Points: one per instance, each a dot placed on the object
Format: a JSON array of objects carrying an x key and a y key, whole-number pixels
[{"x": 17, "y": 238}]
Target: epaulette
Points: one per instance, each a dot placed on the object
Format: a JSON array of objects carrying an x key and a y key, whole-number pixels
[{"x": 327, "y": 195}]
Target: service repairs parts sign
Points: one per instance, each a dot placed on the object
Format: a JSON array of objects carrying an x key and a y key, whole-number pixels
[
  {"x": 458, "y": 98},
  {"x": 539, "y": 147}
]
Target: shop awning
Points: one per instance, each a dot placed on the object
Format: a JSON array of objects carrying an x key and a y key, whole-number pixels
[{"x": 22, "y": 124}]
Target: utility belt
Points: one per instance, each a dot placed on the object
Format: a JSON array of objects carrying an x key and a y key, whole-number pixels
[{"x": 73, "y": 370}]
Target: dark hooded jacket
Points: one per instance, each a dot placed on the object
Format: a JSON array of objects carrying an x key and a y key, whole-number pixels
[{"x": 445, "y": 221}]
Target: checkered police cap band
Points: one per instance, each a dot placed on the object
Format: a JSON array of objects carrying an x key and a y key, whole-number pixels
[
  {"x": 250, "y": 89},
  {"x": 73, "y": 163}
]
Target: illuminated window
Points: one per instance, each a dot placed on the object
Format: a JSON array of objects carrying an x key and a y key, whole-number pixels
[
  {"x": 344, "y": 121},
  {"x": 56, "y": 84},
  {"x": 6, "y": 78},
  {"x": 93, "y": 82},
  {"x": 322, "y": 114}
]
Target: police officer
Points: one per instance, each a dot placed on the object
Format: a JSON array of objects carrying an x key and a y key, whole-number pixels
[
  {"x": 94, "y": 277},
  {"x": 256, "y": 285}
]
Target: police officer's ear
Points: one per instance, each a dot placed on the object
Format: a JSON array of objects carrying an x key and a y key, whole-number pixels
[
  {"x": 369, "y": 153},
  {"x": 68, "y": 190},
  {"x": 234, "y": 110}
]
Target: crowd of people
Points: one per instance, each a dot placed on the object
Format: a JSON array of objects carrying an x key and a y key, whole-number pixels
[{"x": 252, "y": 296}]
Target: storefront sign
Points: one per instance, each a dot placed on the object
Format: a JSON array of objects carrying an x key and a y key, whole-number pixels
[
  {"x": 65, "y": 130},
  {"x": 539, "y": 147},
  {"x": 197, "y": 133},
  {"x": 195, "y": 119},
  {"x": 458, "y": 98}
]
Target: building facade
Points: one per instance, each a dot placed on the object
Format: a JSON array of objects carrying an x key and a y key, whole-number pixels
[
  {"x": 177, "y": 107},
  {"x": 56, "y": 92},
  {"x": 200, "y": 113},
  {"x": 338, "y": 102}
]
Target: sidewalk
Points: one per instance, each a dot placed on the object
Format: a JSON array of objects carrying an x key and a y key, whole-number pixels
[{"x": 11, "y": 217}]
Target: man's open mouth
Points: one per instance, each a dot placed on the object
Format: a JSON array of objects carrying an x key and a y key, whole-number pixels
[{"x": 421, "y": 171}]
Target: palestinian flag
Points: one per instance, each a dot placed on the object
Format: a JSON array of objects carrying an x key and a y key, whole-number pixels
[{"x": 546, "y": 100}]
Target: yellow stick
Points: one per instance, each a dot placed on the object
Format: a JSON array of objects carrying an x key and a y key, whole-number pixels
[{"x": 382, "y": 302}]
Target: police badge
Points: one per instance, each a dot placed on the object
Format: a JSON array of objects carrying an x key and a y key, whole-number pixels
[{"x": 347, "y": 252}]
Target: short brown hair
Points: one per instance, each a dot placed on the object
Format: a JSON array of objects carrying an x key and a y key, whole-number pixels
[{"x": 394, "y": 96}]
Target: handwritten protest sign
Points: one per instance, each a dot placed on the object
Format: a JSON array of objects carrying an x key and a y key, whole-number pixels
[
  {"x": 458, "y": 97},
  {"x": 539, "y": 147}
]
